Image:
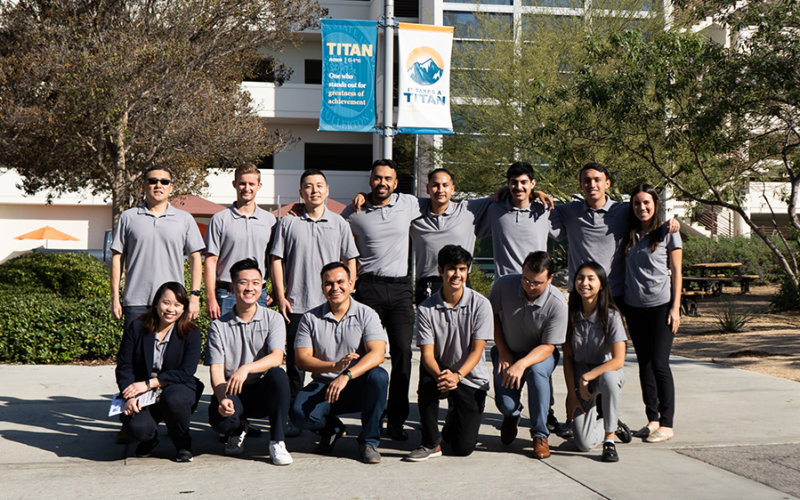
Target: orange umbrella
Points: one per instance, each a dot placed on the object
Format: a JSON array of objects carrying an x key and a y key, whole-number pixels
[{"x": 46, "y": 233}]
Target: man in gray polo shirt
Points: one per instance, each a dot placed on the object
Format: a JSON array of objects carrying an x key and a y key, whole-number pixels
[
  {"x": 517, "y": 225},
  {"x": 530, "y": 319},
  {"x": 301, "y": 246},
  {"x": 381, "y": 231},
  {"x": 245, "y": 353},
  {"x": 596, "y": 228},
  {"x": 152, "y": 239},
  {"x": 241, "y": 231},
  {"x": 342, "y": 344},
  {"x": 453, "y": 326},
  {"x": 442, "y": 223}
]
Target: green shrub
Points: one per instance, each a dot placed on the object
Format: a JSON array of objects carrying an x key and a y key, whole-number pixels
[
  {"x": 732, "y": 320},
  {"x": 79, "y": 276},
  {"x": 755, "y": 256},
  {"x": 41, "y": 327},
  {"x": 479, "y": 281},
  {"x": 787, "y": 298}
]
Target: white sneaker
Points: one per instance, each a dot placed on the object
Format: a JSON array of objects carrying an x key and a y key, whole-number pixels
[
  {"x": 235, "y": 444},
  {"x": 279, "y": 454}
]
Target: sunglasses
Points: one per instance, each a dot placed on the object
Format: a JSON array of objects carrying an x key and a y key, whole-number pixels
[{"x": 153, "y": 181}]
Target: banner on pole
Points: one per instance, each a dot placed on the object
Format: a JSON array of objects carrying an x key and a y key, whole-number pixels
[
  {"x": 349, "y": 51},
  {"x": 424, "y": 81}
]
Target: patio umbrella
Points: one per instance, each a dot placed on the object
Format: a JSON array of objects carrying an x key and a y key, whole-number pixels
[{"x": 46, "y": 233}]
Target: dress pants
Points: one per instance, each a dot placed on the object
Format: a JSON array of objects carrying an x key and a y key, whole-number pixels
[
  {"x": 463, "y": 419},
  {"x": 174, "y": 407},
  {"x": 589, "y": 431},
  {"x": 296, "y": 376},
  {"x": 269, "y": 396},
  {"x": 392, "y": 301}
]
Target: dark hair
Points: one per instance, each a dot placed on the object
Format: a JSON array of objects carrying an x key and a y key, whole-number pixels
[
  {"x": 330, "y": 266},
  {"x": 451, "y": 255},
  {"x": 594, "y": 166},
  {"x": 157, "y": 167},
  {"x": 384, "y": 163},
  {"x": 520, "y": 168},
  {"x": 309, "y": 172},
  {"x": 150, "y": 319},
  {"x": 654, "y": 232},
  {"x": 605, "y": 301},
  {"x": 441, "y": 171},
  {"x": 242, "y": 265},
  {"x": 539, "y": 261}
]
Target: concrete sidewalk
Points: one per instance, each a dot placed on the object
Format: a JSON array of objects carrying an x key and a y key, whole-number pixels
[{"x": 56, "y": 441}]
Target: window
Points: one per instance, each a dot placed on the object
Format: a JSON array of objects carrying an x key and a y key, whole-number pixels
[
  {"x": 476, "y": 25},
  {"x": 313, "y": 71},
  {"x": 338, "y": 156}
]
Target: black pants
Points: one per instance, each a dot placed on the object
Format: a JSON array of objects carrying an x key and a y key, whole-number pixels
[
  {"x": 269, "y": 396},
  {"x": 463, "y": 420},
  {"x": 174, "y": 407},
  {"x": 296, "y": 377},
  {"x": 392, "y": 302},
  {"x": 652, "y": 340}
]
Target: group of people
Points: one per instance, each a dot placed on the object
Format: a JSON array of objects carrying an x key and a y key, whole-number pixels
[{"x": 343, "y": 293}]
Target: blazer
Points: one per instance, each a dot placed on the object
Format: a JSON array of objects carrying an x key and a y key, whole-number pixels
[{"x": 135, "y": 357}]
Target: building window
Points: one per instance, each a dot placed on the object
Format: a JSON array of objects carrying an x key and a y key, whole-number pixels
[
  {"x": 266, "y": 163},
  {"x": 338, "y": 156},
  {"x": 468, "y": 25},
  {"x": 313, "y": 71}
]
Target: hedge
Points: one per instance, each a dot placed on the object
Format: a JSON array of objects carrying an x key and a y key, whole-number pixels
[{"x": 78, "y": 276}]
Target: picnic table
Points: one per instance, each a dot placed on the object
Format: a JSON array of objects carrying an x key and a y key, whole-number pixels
[{"x": 710, "y": 279}]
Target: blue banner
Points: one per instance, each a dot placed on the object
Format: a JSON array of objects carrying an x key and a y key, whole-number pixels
[{"x": 349, "y": 52}]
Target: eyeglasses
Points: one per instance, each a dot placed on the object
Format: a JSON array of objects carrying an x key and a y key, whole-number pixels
[
  {"x": 153, "y": 181},
  {"x": 530, "y": 283}
]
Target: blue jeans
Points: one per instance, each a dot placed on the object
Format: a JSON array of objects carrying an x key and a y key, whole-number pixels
[
  {"x": 365, "y": 394},
  {"x": 538, "y": 379},
  {"x": 226, "y": 299}
]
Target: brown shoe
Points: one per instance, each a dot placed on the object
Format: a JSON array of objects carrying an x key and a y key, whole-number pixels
[{"x": 540, "y": 447}]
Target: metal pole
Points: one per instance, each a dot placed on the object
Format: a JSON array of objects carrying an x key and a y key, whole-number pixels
[{"x": 388, "y": 77}]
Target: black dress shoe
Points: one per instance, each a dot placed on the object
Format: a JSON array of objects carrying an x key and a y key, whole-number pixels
[
  {"x": 329, "y": 436},
  {"x": 610, "y": 452},
  {"x": 508, "y": 431},
  {"x": 396, "y": 432},
  {"x": 623, "y": 432},
  {"x": 145, "y": 448}
]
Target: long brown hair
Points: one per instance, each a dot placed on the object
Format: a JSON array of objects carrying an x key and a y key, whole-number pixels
[
  {"x": 655, "y": 232},
  {"x": 150, "y": 318}
]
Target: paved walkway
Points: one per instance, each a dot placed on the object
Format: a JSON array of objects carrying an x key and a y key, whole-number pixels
[{"x": 55, "y": 441}]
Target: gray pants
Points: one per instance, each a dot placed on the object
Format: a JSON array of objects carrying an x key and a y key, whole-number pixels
[{"x": 589, "y": 431}]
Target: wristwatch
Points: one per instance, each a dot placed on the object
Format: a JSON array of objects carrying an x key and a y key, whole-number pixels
[
  {"x": 147, "y": 383},
  {"x": 196, "y": 293}
]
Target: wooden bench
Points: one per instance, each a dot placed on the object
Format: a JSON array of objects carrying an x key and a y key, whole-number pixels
[
  {"x": 689, "y": 303},
  {"x": 709, "y": 284},
  {"x": 745, "y": 279}
]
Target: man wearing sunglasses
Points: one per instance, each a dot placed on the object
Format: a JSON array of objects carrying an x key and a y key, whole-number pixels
[{"x": 152, "y": 239}]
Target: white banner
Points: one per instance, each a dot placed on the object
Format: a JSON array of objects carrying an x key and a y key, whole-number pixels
[{"x": 424, "y": 81}]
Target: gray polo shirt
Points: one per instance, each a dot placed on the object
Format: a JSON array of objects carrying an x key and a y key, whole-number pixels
[
  {"x": 233, "y": 236},
  {"x": 455, "y": 226},
  {"x": 597, "y": 235},
  {"x": 381, "y": 234},
  {"x": 515, "y": 232},
  {"x": 451, "y": 329},
  {"x": 647, "y": 274},
  {"x": 235, "y": 343},
  {"x": 528, "y": 324},
  {"x": 306, "y": 245},
  {"x": 588, "y": 342},
  {"x": 153, "y": 249},
  {"x": 332, "y": 340}
]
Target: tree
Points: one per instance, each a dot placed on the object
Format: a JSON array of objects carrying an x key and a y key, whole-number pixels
[
  {"x": 709, "y": 120},
  {"x": 94, "y": 91},
  {"x": 512, "y": 88}
]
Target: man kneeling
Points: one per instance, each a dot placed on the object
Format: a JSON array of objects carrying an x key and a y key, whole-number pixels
[
  {"x": 245, "y": 351},
  {"x": 342, "y": 344},
  {"x": 453, "y": 326}
]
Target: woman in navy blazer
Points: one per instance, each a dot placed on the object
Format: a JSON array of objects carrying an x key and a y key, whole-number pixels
[{"x": 160, "y": 351}]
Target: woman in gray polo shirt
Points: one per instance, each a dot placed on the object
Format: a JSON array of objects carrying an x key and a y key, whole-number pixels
[
  {"x": 653, "y": 283},
  {"x": 594, "y": 354}
]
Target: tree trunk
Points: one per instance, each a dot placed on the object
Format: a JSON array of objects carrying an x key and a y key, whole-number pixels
[{"x": 121, "y": 184}]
